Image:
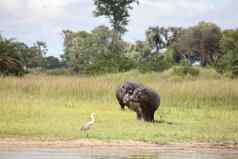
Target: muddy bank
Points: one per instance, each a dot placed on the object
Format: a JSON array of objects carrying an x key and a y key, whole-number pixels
[{"x": 125, "y": 144}]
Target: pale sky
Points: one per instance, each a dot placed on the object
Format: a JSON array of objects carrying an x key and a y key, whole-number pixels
[{"x": 32, "y": 20}]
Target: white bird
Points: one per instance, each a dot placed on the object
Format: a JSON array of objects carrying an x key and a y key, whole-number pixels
[{"x": 86, "y": 126}]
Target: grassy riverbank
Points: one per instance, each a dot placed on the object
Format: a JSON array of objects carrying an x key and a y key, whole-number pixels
[{"x": 202, "y": 109}]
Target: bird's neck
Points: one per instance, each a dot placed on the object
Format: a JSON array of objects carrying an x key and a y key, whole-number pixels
[{"x": 92, "y": 119}]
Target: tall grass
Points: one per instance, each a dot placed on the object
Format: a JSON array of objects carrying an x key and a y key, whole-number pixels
[{"x": 54, "y": 107}]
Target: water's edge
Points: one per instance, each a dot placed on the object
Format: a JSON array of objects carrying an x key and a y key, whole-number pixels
[{"x": 125, "y": 144}]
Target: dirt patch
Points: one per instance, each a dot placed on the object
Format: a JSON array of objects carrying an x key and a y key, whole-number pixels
[{"x": 125, "y": 144}]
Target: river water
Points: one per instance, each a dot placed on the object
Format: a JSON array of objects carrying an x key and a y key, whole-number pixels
[{"x": 112, "y": 153}]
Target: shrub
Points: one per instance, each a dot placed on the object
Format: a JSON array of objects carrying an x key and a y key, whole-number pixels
[
  {"x": 186, "y": 70},
  {"x": 228, "y": 63},
  {"x": 155, "y": 62},
  {"x": 58, "y": 71}
]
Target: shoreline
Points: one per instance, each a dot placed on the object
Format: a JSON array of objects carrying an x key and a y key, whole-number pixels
[{"x": 16, "y": 143}]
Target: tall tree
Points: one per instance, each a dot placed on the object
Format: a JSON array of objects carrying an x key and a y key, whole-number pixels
[
  {"x": 157, "y": 37},
  {"x": 228, "y": 61},
  {"x": 117, "y": 11},
  {"x": 200, "y": 41},
  {"x": 52, "y": 62},
  {"x": 11, "y": 56},
  {"x": 79, "y": 49},
  {"x": 206, "y": 37},
  {"x": 161, "y": 37},
  {"x": 35, "y": 55},
  {"x": 90, "y": 52}
]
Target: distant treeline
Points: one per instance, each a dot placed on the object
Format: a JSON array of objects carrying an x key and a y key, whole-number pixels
[
  {"x": 103, "y": 51},
  {"x": 16, "y": 58}
]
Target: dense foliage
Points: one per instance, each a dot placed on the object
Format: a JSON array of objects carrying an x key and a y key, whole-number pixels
[
  {"x": 116, "y": 11},
  {"x": 16, "y": 58},
  {"x": 93, "y": 52},
  {"x": 228, "y": 60},
  {"x": 103, "y": 50},
  {"x": 90, "y": 52}
]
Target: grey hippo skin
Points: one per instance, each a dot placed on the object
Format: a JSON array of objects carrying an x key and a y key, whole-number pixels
[
  {"x": 127, "y": 87},
  {"x": 144, "y": 101}
]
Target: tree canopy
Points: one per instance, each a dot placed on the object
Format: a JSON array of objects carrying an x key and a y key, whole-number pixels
[
  {"x": 90, "y": 52},
  {"x": 116, "y": 10},
  {"x": 16, "y": 57}
]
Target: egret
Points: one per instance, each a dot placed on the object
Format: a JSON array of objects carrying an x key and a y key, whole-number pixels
[{"x": 86, "y": 126}]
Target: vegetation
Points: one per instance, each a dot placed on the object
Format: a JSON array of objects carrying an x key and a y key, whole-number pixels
[
  {"x": 163, "y": 48},
  {"x": 16, "y": 58},
  {"x": 185, "y": 68},
  {"x": 201, "y": 109},
  {"x": 103, "y": 50},
  {"x": 198, "y": 103},
  {"x": 228, "y": 61},
  {"x": 91, "y": 53},
  {"x": 200, "y": 42},
  {"x": 116, "y": 11}
]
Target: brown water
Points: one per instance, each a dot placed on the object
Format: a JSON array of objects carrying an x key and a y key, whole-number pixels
[{"x": 112, "y": 153}]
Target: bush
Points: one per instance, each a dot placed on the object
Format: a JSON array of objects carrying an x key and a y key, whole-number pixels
[
  {"x": 59, "y": 71},
  {"x": 228, "y": 64},
  {"x": 11, "y": 66},
  {"x": 186, "y": 70},
  {"x": 155, "y": 62},
  {"x": 109, "y": 64}
]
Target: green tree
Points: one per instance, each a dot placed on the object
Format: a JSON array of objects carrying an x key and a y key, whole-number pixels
[
  {"x": 158, "y": 37},
  {"x": 146, "y": 60},
  {"x": 118, "y": 14},
  {"x": 16, "y": 57},
  {"x": 52, "y": 62},
  {"x": 91, "y": 52},
  {"x": 116, "y": 10},
  {"x": 228, "y": 60},
  {"x": 11, "y": 59},
  {"x": 206, "y": 37},
  {"x": 79, "y": 50},
  {"x": 201, "y": 40},
  {"x": 35, "y": 55},
  {"x": 161, "y": 37}
]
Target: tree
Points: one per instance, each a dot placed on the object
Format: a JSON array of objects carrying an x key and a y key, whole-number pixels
[
  {"x": 183, "y": 45},
  {"x": 228, "y": 60},
  {"x": 16, "y": 57},
  {"x": 146, "y": 60},
  {"x": 161, "y": 37},
  {"x": 87, "y": 52},
  {"x": 11, "y": 61},
  {"x": 116, "y": 10},
  {"x": 206, "y": 37},
  {"x": 79, "y": 50},
  {"x": 35, "y": 55},
  {"x": 200, "y": 41},
  {"x": 52, "y": 62},
  {"x": 153, "y": 36}
]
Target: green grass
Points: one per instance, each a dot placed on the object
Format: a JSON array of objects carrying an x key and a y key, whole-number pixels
[{"x": 202, "y": 109}]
